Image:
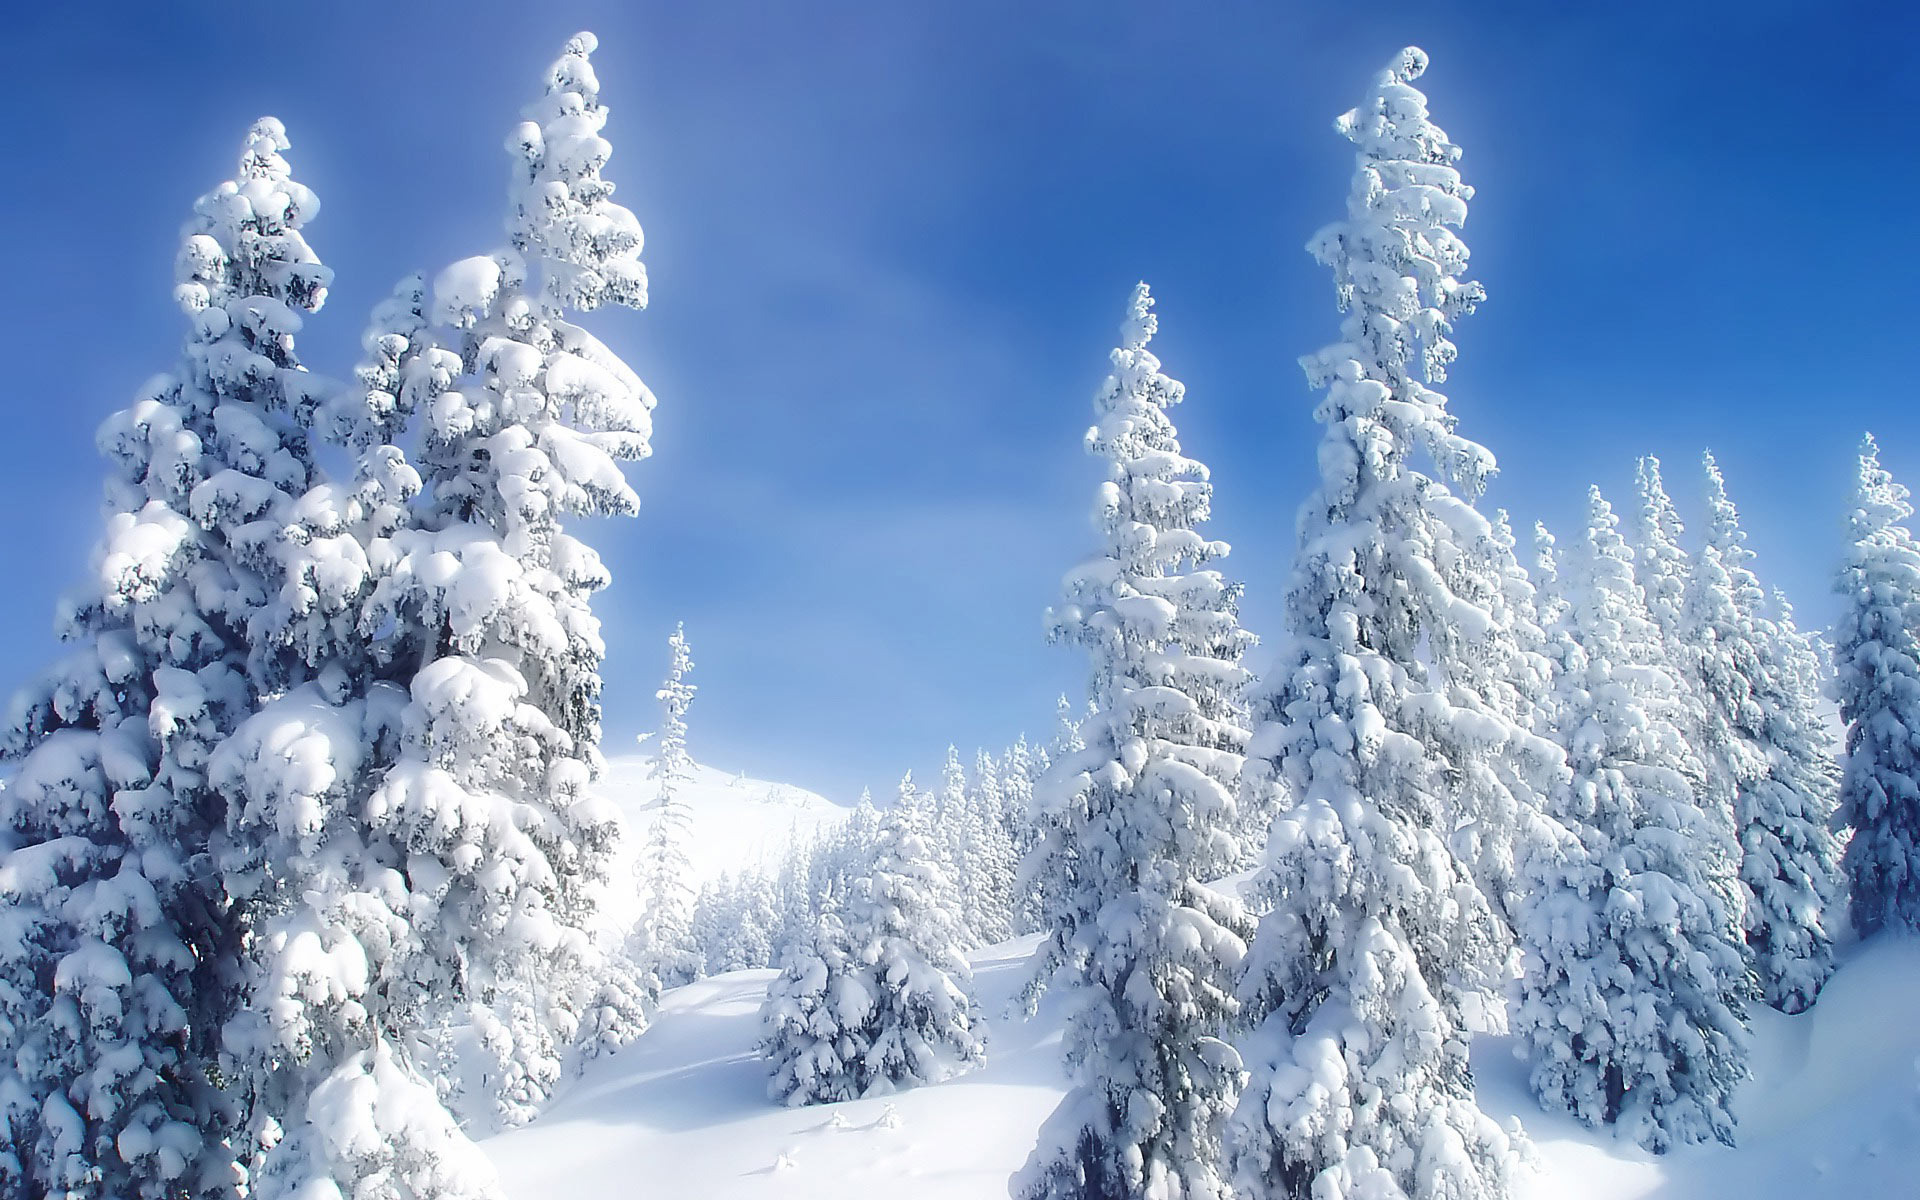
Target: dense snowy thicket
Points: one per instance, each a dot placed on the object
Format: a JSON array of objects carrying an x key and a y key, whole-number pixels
[
  {"x": 879, "y": 998},
  {"x": 1665, "y": 573},
  {"x": 977, "y": 829},
  {"x": 1762, "y": 678},
  {"x": 1631, "y": 992}
]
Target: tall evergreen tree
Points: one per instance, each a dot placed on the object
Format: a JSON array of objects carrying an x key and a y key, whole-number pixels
[
  {"x": 1786, "y": 782},
  {"x": 116, "y": 937},
  {"x": 664, "y": 934},
  {"x": 1632, "y": 977},
  {"x": 1877, "y": 656},
  {"x": 951, "y": 838},
  {"x": 1377, "y": 732},
  {"x": 1140, "y": 817}
]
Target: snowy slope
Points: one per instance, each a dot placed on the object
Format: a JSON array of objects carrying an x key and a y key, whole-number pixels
[
  {"x": 736, "y": 822},
  {"x": 1834, "y": 1110},
  {"x": 684, "y": 1112}
]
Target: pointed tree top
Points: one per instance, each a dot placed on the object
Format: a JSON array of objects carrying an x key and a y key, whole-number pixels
[
  {"x": 1409, "y": 65},
  {"x": 1658, "y": 517},
  {"x": 1716, "y": 482},
  {"x": 1600, "y": 510},
  {"x": 1647, "y": 471},
  {"x": 1723, "y": 518},
  {"x": 1879, "y": 502},
  {"x": 1546, "y": 558},
  {"x": 562, "y": 211},
  {"x": 1140, "y": 324},
  {"x": 244, "y": 239},
  {"x": 260, "y": 157}
]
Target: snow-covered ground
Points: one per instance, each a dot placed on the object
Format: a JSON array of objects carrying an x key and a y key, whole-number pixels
[
  {"x": 684, "y": 1112},
  {"x": 1833, "y": 1110},
  {"x": 736, "y": 822}
]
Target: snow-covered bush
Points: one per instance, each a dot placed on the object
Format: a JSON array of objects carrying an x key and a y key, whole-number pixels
[
  {"x": 902, "y": 927},
  {"x": 816, "y": 1022}
]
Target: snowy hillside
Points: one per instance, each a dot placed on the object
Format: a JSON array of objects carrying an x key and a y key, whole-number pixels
[
  {"x": 736, "y": 822},
  {"x": 1834, "y": 1110}
]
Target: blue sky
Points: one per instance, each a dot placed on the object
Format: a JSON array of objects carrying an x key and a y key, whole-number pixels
[{"x": 890, "y": 245}]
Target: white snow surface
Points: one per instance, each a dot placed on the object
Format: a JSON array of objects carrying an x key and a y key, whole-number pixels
[
  {"x": 736, "y": 822},
  {"x": 1833, "y": 1109},
  {"x": 684, "y": 1111}
]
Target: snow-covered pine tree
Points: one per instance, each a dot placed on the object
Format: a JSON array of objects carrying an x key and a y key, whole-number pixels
[
  {"x": 494, "y": 593},
  {"x": 1067, "y": 738},
  {"x": 1017, "y": 770},
  {"x": 761, "y": 922},
  {"x": 1876, "y": 650},
  {"x": 794, "y": 904},
  {"x": 713, "y": 926},
  {"x": 1139, "y": 819},
  {"x": 1630, "y": 1004},
  {"x": 815, "y": 1024},
  {"x": 116, "y": 939},
  {"x": 663, "y": 936},
  {"x": 736, "y": 923},
  {"x": 844, "y": 854},
  {"x": 901, "y": 928},
  {"x": 1523, "y": 690},
  {"x": 1380, "y": 723},
  {"x": 990, "y": 855},
  {"x": 950, "y": 835},
  {"x": 1786, "y": 781}
]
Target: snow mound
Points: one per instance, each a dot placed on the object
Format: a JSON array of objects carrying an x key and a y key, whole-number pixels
[
  {"x": 1833, "y": 1110},
  {"x": 736, "y": 822}
]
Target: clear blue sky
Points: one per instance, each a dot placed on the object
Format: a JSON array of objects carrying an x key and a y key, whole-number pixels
[{"x": 890, "y": 244}]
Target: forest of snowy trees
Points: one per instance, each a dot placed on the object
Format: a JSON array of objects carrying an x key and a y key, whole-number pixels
[{"x": 304, "y": 875}]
